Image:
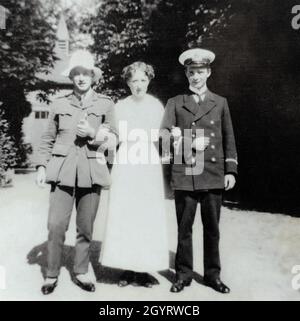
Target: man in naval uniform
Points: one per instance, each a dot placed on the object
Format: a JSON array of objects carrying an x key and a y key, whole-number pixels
[
  {"x": 81, "y": 127},
  {"x": 198, "y": 125}
]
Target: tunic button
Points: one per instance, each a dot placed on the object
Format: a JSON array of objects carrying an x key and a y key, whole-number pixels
[
  {"x": 193, "y": 123},
  {"x": 212, "y": 122},
  {"x": 212, "y": 135},
  {"x": 213, "y": 159},
  {"x": 193, "y": 135},
  {"x": 213, "y": 146}
]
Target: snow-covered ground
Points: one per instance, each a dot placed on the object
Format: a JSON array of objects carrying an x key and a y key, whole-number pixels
[{"x": 258, "y": 251}]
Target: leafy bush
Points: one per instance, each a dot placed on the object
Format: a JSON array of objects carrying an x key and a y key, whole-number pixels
[{"x": 7, "y": 148}]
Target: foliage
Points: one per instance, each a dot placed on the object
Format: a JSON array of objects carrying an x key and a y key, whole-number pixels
[
  {"x": 74, "y": 14},
  {"x": 7, "y": 147},
  {"x": 26, "y": 47},
  {"x": 27, "y": 42},
  {"x": 154, "y": 31},
  {"x": 121, "y": 35}
]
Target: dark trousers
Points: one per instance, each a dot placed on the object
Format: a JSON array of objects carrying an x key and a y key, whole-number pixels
[
  {"x": 186, "y": 205},
  {"x": 62, "y": 199}
]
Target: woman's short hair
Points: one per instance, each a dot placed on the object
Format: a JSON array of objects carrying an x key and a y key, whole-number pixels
[{"x": 129, "y": 70}]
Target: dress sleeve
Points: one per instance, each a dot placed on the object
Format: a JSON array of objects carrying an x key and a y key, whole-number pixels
[
  {"x": 168, "y": 121},
  {"x": 120, "y": 119},
  {"x": 158, "y": 116}
]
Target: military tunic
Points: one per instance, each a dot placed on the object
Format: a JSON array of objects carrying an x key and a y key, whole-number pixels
[
  {"x": 220, "y": 157},
  {"x": 71, "y": 160}
]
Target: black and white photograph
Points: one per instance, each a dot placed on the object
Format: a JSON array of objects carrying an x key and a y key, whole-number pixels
[{"x": 149, "y": 151}]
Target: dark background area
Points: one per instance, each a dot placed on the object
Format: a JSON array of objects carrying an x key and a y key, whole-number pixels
[{"x": 257, "y": 69}]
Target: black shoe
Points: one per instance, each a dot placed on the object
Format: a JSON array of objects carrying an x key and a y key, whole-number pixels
[
  {"x": 49, "y": 287},
  {"x": 86, "y": 286},
  {"x": 217, "y": 285},
  {"x": 179, "y": 285}
]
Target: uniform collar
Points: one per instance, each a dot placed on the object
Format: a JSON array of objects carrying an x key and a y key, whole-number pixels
[
  {"x": 85, "y": 102},
  {"x": 84, "y": 96},
  {"x": 199, "y": 110}
]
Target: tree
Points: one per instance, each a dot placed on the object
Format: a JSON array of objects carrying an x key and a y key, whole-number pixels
[
  {"x": 177, "y": 26},
  {"x": 155, "y": 31},
  {"x": 75, "y": 13},
  {"x": 7, "y": 148},
  {"x": 26, "y": 47},
  {"x": 121, "y": 36}
]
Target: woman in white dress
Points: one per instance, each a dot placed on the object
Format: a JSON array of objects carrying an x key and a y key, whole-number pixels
[{"x": 136, "y": 234}]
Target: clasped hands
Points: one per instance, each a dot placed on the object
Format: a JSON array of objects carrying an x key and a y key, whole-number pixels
[{"x": 84, "y": 129}]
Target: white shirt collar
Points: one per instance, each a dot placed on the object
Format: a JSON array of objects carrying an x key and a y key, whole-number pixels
[{"x": 199, "y": 92}]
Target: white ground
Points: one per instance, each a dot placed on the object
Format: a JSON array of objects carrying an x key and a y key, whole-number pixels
[{"x": 258, "y": 251}]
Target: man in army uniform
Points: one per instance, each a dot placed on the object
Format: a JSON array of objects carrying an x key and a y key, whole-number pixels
[
  {"x": 199, "y": 123},
  {"x": 80, "y": 126}
]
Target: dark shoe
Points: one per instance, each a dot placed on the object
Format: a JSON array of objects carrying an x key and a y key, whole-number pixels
[
  {"x": 48, "y": 288},
  {"x": 217, "y": 285},
  {"x": 86, "y": 286},
  {"x": 179, "y": 285},
  {"x": 126, "y": 278}
]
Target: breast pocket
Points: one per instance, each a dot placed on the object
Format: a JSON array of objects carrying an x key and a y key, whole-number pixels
[
  {"x": 64, "y": 120},
  {"x": 95, "y": 118}
]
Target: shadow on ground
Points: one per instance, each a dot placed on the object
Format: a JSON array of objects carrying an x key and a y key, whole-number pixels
[
  {"x": 38, "y": 255},
  {"x": 107, "y": 275},
  {"x": 171, "y": 276}
]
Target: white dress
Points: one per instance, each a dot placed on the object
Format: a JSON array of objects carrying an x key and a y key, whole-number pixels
[{"x": 136, "y": 232}]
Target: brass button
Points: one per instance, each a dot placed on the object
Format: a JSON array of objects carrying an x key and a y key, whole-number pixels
[
  {"x": 212, "y": 122},
  {"x": 212, "y": 134},
  {"x": 213, "y": 159},
  {"x": 193, "y": 123},
  {"x": 213, "y": 146},
  {"x": 194, "y": 135}
]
